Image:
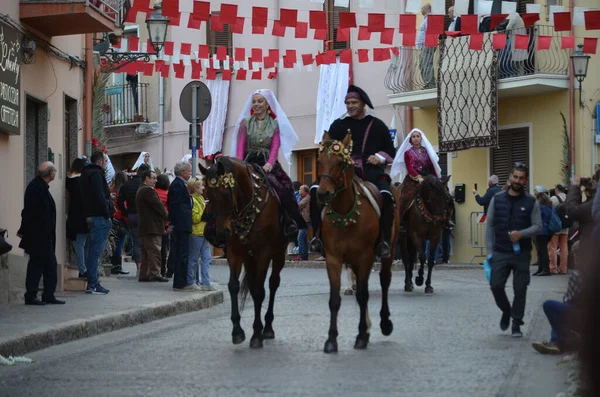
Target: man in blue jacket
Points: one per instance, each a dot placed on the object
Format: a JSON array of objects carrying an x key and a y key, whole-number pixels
[
  {"x": 493, "y": 189},
  {"x": 513, "y": 218}
]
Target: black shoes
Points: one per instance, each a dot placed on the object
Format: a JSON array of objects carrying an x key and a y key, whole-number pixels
[
  {"x": 160, "y": 279},
  {"x": 53, "y": 301},
  {"x": 118, "y": 270},
  {"x": 505, "y": 321},
  {"x": 516, "y": 331},
  {"x": 43, "y": 302},
  {"x": 34, "y": 302}
]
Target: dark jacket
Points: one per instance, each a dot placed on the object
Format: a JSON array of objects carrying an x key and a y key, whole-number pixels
[
  {"x": 127, "y": 194},
  {"x": 179, "y": 203},
  {"x": 487, "y": 197},
  {"x": 512, "y": 213},
  {"x": 95, "y": 193},
  {"x": 38, "y": 218},
  {"x": 581, "y": 213},
  {"x": 76, "y": 223},
  {"x": 151, "y": 211}
]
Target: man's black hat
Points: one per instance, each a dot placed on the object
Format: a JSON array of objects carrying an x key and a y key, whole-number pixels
[{"x": 362, "y": 94}]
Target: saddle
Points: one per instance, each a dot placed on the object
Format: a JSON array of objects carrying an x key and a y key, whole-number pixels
[{"x": 371, "y": 192}]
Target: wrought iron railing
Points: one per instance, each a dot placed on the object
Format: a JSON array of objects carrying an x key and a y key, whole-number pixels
[
  {"x": 126, "y": 104},
  {"x": 115, "y": 10},
  {"x": 412, "y": 69}
]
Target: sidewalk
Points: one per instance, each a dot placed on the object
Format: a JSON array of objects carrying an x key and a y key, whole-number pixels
[{"x": 28, "y": 328}]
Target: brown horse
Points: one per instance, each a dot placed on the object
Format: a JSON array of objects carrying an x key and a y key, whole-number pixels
[
  {"x": 247, "y": 211},
  {"x": 350, "y": 232},
  {"x": 422, "y": 221}
]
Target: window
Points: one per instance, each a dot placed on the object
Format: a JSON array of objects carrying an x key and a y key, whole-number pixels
[
  {"x": 219, "y": 39},
  {"x": 513, "y": 147},
  {"x": 333, "y": 20},
  {"x": 443, "y": 163},
  {"x": 522, "y": 5},
  {"x": 307, "y": 166}
]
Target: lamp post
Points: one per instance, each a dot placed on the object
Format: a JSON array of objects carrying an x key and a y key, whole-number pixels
[
  {"x": 580, "y": 63},
  {"x": 157, "y": 25}
]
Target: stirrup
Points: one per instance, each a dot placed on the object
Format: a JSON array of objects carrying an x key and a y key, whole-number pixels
[
  {"x": 290, "y": 229},
  {"x": 383, "y": 250},
  {"x": 315, "y": 245}
]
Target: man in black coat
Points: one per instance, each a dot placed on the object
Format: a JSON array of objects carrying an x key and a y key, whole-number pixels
[
  {"x": 38, "y": 237},
  {"x": 493, "y": 189},
  {"x": 179, "y": 202}
]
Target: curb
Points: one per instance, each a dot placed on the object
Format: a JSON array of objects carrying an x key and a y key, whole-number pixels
[
  {"x": 321, "y": 265},
  {"x": 84, "y": 328}
]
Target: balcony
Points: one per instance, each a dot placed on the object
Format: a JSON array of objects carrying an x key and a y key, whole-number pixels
[
  {"x": 125, "y": 105},
  {"x": 70, "y": 17},
  {"x": 539, "y": 73}
]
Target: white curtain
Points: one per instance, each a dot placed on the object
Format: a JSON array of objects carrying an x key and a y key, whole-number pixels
[
  {"x": 214, "y": 126},
  {"x": 333, "y": 86}
]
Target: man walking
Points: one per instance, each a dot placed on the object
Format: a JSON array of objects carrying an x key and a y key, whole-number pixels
[
  {"x": 98, "y": 210},
  {"x": 492, "y": 190},
  {"x": 180, "y": 219},
  {"x": 152, "y": 217},
  {"x": 513, "y": 218},
  {"x": 38, "y": 237}
]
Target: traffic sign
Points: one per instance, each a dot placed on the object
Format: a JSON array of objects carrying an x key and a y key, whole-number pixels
[{"x": 203, "y": 105}]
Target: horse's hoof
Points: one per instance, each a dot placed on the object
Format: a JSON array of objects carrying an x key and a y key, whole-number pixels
[
  {"x": 349, "y": 291},
  {"x": 270, "y": 334},
  {"x": 256, "y": 343},
  {"x": 408, "y": 288},
  {"x": 429, "y": 289},
  {"x": 386, "y": 327},
  {"x": 419, "y": 280},
  {"x": 330, "y": 347},
  {"x": 361, "y": 344},
  {"x": 238, "y": 338}
]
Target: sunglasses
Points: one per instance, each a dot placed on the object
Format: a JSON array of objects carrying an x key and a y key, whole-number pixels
[{"x": 519, "y": 164}]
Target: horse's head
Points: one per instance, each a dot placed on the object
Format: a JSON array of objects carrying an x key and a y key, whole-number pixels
[
  {"x": 335, "y": 162},
  {"x": 221, "y": 181},
  {"x": 435, "y": 194}
]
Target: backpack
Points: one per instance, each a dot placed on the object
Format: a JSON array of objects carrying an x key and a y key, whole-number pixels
[
  {"x": 561, "y": 211},
  {"x": 555, "y": 224}
]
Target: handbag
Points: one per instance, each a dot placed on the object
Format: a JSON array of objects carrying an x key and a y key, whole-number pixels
[
  {"x": 5, "y": 247},
  {"x": 555, "y": 224}
]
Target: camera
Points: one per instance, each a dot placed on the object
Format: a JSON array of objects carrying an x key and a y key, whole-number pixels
[
  {"x": 585, "y": 182},
  {"x": 552, "y": 192}
]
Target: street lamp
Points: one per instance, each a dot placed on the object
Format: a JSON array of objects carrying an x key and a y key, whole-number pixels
[
  {"x": 157, "y": 25},
  {"x": 580, "y": 66}
]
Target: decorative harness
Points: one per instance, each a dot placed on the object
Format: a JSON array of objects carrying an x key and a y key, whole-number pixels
[{"x": 435, "y": 219}]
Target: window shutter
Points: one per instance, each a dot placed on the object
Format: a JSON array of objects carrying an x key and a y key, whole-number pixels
[
  {"x": 215, "y": 39},
  {"x": 443, "y": 163},
  {"x": 333, "y": 21},
  {"x": 513, "y": 147},
  {"x": 522, "y": 5}
]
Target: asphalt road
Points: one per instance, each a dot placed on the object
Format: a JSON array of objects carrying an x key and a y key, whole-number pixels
[{"x": 448, "y": 344}]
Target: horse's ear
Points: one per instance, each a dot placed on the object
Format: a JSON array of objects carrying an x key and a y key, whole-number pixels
[
  {"x": 347, "y": 140},
  {"x": 326, "y": 137},
  {"x": 202, "y": 169}
]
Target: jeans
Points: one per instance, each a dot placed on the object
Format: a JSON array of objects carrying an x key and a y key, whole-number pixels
[
  {"x": 502, "y": 264},
  {"x": 136, "y": 242},
  {"x": 120, "y": 240},
  {"x": 558, "y": 314},
  {"x": 82, "y": 248},
  {"x": 199, "y": 249},
  {"x": 438, "y": 250},
  {"x": 99, "y": 228},
  {"x": 180, "y": 250},
  {"x": 303, "y": 242}
]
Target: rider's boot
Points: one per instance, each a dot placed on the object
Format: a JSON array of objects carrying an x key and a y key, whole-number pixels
[
  {"x": 386, "y": 221},
  {"x": 315, "y": 244},
  {"x": 292, "y": 219}
]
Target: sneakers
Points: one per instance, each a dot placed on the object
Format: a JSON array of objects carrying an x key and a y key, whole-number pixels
[
  {"x": 188, "y": 288},
  {"x": 97, "y": 290},
  {"x": 208, "y": 288},
  {"x": 516, "y": 331},
  {"x": 546, "y": 348},
  {"x": 505, "y": 321}
]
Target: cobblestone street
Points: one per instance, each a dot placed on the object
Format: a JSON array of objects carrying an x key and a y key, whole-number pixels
[{"x": 448, "y": 344}]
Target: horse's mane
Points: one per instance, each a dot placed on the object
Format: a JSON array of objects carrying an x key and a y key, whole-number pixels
[{"x": 223, "y": 165}]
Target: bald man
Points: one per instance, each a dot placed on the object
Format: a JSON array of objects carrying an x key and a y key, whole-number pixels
[{"x": 38, "y": 237}]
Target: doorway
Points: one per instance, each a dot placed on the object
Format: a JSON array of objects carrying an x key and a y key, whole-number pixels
[{"x": 36, "y": 136}]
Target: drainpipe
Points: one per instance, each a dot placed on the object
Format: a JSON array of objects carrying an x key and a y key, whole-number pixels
[
  {"x": 161, "y": 118},
  {"x": 87, "y": 96},
  {"x": 572, "y": 104}
]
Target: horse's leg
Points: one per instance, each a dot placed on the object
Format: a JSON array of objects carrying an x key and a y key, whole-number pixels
[
  {"x": 334, "y": 272},
  {"x": 406, "y": 261},
  {"x": 362, "y": 297},
  {"x": 430, "y": 264},
  {"x": 385, "y": 278},
  {"x": 235, "y": 268},
  {"x": 420, "y": 246},
  {"x": 256, "y": 281},
  {"x": 278, "y": 263}
]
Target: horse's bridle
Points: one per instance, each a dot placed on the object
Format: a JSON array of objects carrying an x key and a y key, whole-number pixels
[
  {"x": 344, "y": 153},
  {"x": 339, "y": 183}
]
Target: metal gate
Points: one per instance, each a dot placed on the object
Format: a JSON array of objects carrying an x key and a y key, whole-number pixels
[{"x": 477, "y": 237}]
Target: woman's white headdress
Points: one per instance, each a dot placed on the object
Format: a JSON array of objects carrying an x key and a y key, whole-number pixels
[
  {"x": 186, "y": 158},
  {"x": 140, "y": 161},
  {"x": 399, "y": 166},
  {"x": 287, "y": 134}
]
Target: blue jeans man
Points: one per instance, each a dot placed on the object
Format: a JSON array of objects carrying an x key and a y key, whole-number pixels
[{"x": 99, "y": 228}]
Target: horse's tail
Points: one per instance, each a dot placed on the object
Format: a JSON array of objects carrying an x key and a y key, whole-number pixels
[{"x": 244, "y": 289}]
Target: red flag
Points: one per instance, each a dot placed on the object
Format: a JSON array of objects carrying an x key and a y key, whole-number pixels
[
  {"x": 590, "y": 45},
  {"x": 346, "y": 56},
  {"x": 395, "y": 51},
  {"x": 193, "y": 23},
  {"x": 435, "y": 24},
  {"x": 343, "y": 34},
  {"x": 364, "y": 33},
  {"x": 164, "y": 70},
  {"x": 273, "y": 75},
  {"x": 330, "y": 57},
  {"x": 201, "y": 10},
  {"x": 134, "y": 44},
  {"x": 186, "y": 48},
  {"x": 499, "y": 41},
  {"x": 567, "y": 42},
  {"x": 168, "y": 48},
  {"x": 274, "y": 54},
  {"x": 216, "y": 25},
  {"x": 521, "y": 41},
  {"x": 257, "y": 75},
  {"x": 258, "y": 29},
  {"x": 257, "y": 53},
  {"x": 381, "y": 54},
  {"x": 241, "y": 74},
  {"x": 496, "y": 19},
  {"x": 409, "y": 39},
  {"x": 387, "y": 36},
  {"x": 229, "y": 13},
  {"x": 431, "y": 40},
  {"x": 149, "y": 47},
  {"x": 544, "y": 42},
  {"x": 238, "y": 26},
  {"x": 196, "y": 70},
  {"x": 203, "y": 52},
  {"x": 131, "y": 16},
  {"x": 376, "y": 22},
  {"x": 291, "y": 54},
  {"x": 363, "y": 55},
  {"x": 176, "y": 20},
  {"x": 476, "y": 42},
  {"x": 278, "y": 29},
  {"x": 469, "y": 24},
  {"x": 158, "y": 64},
  {"x": 592, "y": 20},
  {"x": 211, "y": 74},
  {"x": 347, "y": 20},
  {"x": 307, "y": 59},
  {"x": 288, "y": 17},
  {"x": 259, "y": 17},
  {"x": 170, "y": 8},
  {"x": 321, "y": 34},
  {"x": 453, "y": 34},
  {"x": 221, "y": 53},
  {"x": 317, "y": 19},
  {"x": 320, "y": 59},
  {"x": 408, "y": 23},
  {"x": 240, "y": 54},
  {"x": 148, "y": 69},
  {"x": 226, "y": 74},
  {"x": 530, "y": 19},
  {"x": 301, "y": 30},
  {"x": 562, "y": 21},
  {"x": 179, "y": 69}
]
